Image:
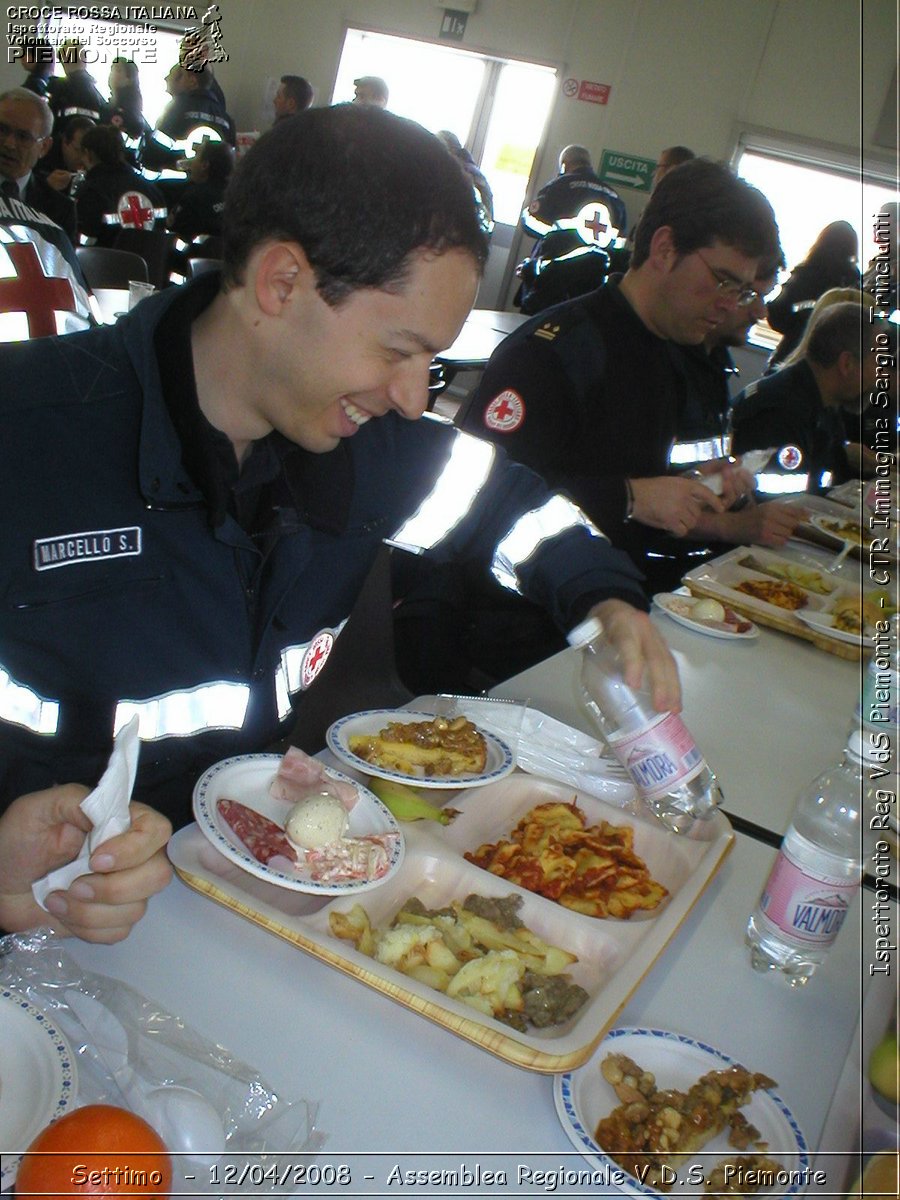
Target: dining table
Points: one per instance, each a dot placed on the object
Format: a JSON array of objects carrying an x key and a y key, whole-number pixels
[
  {"x": 483, "y": 331},
  {"x": 405, "y": 1106}
]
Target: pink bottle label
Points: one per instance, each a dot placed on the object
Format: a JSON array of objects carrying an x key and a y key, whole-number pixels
[
  {"x": 659, "y": 757},
  {"x": 807, "y": 909}
]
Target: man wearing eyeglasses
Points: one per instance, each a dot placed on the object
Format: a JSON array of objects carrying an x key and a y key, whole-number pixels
[
  {"x": 588, "y": 395},
  {"x": 25, "y": 124}
]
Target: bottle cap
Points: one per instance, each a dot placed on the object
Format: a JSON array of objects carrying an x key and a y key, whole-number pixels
[{"x": 586, "y": 631}]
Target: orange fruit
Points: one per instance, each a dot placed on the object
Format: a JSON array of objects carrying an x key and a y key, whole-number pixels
[{"x": 96, "y": 1151}]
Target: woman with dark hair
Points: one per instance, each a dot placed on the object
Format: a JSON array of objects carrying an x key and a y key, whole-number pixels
[
  {"x": 113, "y": 195},
  {"x": 830, "y": 263}
]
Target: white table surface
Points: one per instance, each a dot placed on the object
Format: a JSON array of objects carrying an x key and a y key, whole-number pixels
[
  {"x": 769, "y": 714},
  {"x": 391, "y": 1082}
]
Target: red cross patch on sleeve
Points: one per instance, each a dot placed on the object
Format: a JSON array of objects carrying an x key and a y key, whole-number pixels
[{"x": 505, "y": 413}]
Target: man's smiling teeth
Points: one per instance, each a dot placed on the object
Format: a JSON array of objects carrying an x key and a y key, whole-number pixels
[{"x": 356, "y": 415}]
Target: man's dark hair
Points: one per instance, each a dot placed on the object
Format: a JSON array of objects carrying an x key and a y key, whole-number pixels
[
  {"x": 299, "y": 89},
  {"x": 72, "y": 126},
  {"x": 106, "y": 143},
  {"x": 219, "y": 158},
  {"x": 704, "y": 200},
  {"x": 676, "y": 155},
  {"x": 130, "y": 67},
  {"x": 847, "y": 326},
  {"x": 359, "y": 189}
]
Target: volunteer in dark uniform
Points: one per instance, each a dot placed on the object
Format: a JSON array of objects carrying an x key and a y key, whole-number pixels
[
  {"x": 76, "y": 94},
  {"x": 800, "y": 408},
  {"x": 37, "y": 59},
  {"x": 126, "y": 108},
  {"x": 201, "y": 204},
  {"x": 226, "y": 463},
  {"x": 192, "y": 107},
  {"x": 113, "y": 196},
  {"x": 587, "y": 393},
  {"x": 568, "y": 261}
]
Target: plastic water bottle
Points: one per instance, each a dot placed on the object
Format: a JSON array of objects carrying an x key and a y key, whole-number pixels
[
  {"x": 817, "y": 872},
  {"x": 878, "y": 707},
  {"x": 656, "y": 749}
]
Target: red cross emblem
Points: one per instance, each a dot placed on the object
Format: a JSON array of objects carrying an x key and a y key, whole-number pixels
[
  {"x": 505, "y": 413},
  {"x": 790, "y": 457},
  {"x": 316, "y": 654},
  {"x": 595, "y": 225},
  {"x": 32, "y": 291},
  {"x": 135, "y": 211}
]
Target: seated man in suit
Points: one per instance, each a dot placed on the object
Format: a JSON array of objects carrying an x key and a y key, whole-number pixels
[{"x": 25, "y": 124}]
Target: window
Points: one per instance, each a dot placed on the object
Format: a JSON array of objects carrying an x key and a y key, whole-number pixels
[
  {"x": 496, "y": 107},
  {"x": 153, "y": 50},
  {"x": 809, "y": 195}
]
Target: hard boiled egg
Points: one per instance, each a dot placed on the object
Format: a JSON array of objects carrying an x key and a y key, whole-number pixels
[{"x": 708, "y": 610}]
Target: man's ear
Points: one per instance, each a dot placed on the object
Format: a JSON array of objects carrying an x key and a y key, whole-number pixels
[
  {"x": 662, "y": 252},
  {"x": 282, "y": 275},
  {"x": 45, "y": 149}
]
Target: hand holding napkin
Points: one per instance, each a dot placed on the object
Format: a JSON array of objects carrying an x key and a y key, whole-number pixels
[{"x": 107, "y": 808}]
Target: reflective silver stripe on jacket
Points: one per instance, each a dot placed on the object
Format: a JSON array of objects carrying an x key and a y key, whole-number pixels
[
  {"x": 450, "y": 499},
  {"x": 289, "y": 672},
  {"x": 220, "y": 705},
  {"x": 115, "y": 218},
  {"x": 21, "y": 706},
  {"x": 773, "y": 483},
  {"x": 555, "y": 516},
  {"x": 705, "y": 450}
]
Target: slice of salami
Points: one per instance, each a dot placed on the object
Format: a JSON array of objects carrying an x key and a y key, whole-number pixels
[{"x": 262, "y": 837}]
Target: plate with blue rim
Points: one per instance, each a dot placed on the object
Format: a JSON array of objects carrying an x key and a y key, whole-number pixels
[
  {"x": 38, "y": 1077},
  {"x": 583, "y": 1097},
  {"x": 499, "y": 763}
]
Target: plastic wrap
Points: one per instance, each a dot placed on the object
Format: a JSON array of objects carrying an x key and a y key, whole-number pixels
[{"x": 126, "y": 1045}]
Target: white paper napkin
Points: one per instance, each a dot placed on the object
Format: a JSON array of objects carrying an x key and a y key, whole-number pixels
[{"x": 107, "y": 808}]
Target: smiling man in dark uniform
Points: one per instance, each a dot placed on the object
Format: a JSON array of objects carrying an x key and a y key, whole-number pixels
[{"x": 227, "y": 461}]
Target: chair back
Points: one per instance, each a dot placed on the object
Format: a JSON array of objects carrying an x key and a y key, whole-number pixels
[
  {"x": 361, "y": 672},
  {"x": 154, "y": 246},
  {"x": 107, "y": 268},
  {"x": 199, "y": 266}
]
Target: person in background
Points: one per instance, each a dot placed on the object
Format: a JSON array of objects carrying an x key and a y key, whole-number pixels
[
  {"x": 295, "y": 94},
  {"x": 37, "y": 59},
  {"x": 25, "y": 139},
  {"x": 113, "y": 196},
  {"x": 672, "y": 156},
  {"x": 704, "y": 428},
  {"x": 563, "y": 263},
  {"x": 201, "y": 204},
  {"x": 194, "y": 55},
  {"x": 830, "y": 263},
  {"x": 800, "y": 408},
  {"x": 63, "y": 167},
  {"x": 472, "y": 170},
  {"x": 192, "y": 110},
  {"x": 370, "y": 89},
  {"x": 126, "y": 108},
  {"x": 76, "y": 94},
  {"x": 882, "y": 277},
  {"x": 235, "y": 436},
  {"x": 587, "y": 395}
]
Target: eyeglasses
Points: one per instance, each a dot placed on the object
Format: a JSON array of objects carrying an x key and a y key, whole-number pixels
[
  {"x": 21, "y": 136},
  {"x": 742, "y": 292}
]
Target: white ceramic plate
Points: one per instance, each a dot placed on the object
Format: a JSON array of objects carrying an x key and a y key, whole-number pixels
[
  {"x": 823, "y": 521},
  {"x": 38, "y": 1079},
  {"x": 671, "y": 604},
  {"x": 500, "y": 759},
  {"x": 582, "y": 1097},
  {"x": 823, "y": 623},
  {"x": 246, "y": 778}
]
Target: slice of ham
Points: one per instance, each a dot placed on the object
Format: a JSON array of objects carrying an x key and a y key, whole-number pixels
[
  {"x": 262, "y": 837},
  {"x": 300, "y": 776}
]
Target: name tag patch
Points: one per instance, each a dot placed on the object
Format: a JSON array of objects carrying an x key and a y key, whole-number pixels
[{"x": 87, "y": 546}]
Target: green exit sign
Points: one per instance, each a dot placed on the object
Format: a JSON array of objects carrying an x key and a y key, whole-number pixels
[{"x": 627, "y": 170}]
